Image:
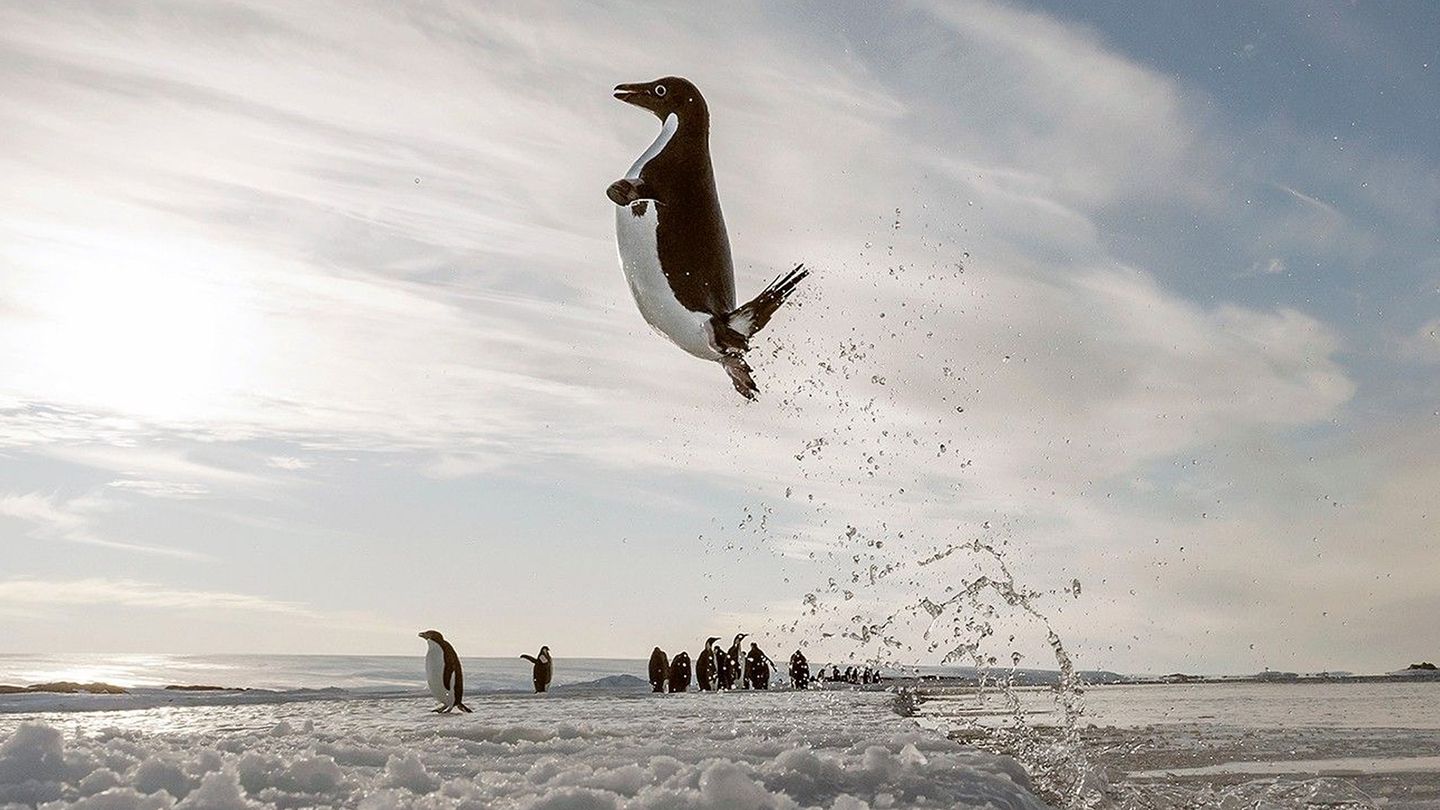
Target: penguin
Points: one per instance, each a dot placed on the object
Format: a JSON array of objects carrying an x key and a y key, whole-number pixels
[
  {"x": 442, "y": 672},
  {"x": 672, "y": 241},
  {"x": 706, "y": 672},
  {"x": 659, "y": 670},
  {"x": 724, "y": 669},
  {"x": 757, "y": 668},
  {"x": 680, "y": 672},
  {"x": 543, "y": 668},
  {"x": 737, "y": 663},
  {"x": 799, "y": 671}
]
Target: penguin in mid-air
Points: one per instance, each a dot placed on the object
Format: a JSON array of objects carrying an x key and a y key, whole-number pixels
[
  {"x": 442, "y": 672},
  {"x": 672, "y": 240}
]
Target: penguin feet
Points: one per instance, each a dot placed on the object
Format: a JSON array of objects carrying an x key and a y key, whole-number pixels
[
  {"x": 442, "y": 709},
  {"x": 739, "y": 372}
]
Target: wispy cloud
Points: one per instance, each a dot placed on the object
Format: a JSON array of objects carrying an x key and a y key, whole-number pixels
[
  {"x": 131, "y": 593},
  {"x": 73, "y": 521},
  {"x": 391, "y": 247},
  {"x": 159, "y": 489}
]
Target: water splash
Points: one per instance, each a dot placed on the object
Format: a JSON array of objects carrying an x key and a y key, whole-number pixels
[{"x": 912, "y": 543}]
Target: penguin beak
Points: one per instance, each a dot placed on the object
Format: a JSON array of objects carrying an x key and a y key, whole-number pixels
[{"x": 632, "y": 93}]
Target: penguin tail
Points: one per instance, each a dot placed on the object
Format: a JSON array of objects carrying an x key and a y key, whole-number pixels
[
  {"x": 752, "y": 317},
  {"x": 731, "y": 333}
]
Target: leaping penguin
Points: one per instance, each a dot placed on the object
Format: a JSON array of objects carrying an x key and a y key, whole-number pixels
[
  {"x": 672, "y": 240},
  {"x": 442, "y": 672}
]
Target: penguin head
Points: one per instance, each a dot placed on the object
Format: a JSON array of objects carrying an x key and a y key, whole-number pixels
[
  {"x": 666, "y": 96},
  {"x": 432, "y": 635},
  {"x": 711, "y": 640}
]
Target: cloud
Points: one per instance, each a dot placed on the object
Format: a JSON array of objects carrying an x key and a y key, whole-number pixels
[
  {"x": 131, "y": 593},
  {"x": 393, "y": 245},
  {"x": 1422, "y": 345},
  {"x": 73, "y": 521},
  {"x": 159, "y": 489}
]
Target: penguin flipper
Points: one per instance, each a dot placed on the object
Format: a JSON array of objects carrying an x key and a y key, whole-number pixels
[{"x": 625, "y": 191}]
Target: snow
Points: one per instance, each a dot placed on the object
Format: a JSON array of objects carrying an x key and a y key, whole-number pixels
[{"x": 839, "y": 750}]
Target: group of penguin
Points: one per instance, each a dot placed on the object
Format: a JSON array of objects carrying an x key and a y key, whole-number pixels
[{"x": 719, "y": 668}]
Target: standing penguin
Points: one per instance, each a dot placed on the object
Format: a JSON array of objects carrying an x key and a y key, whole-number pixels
[
  {"x": 799, "y": 671},
  {"x": 706, "y": 672},
  {"x": 724, "y": 669},
  {"x": 673, "y": 245},
  {"x": 737, "y": 663},
  {"x": 659, "y": 670},
  {"x": 543, "y": 667},
  {"x": 757, "y": 668},
  {"x": 442, "y": 673},
  {"x": 680, "y": 672}
]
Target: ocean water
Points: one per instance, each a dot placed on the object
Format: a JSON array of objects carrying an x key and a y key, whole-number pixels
[
  {"x": 1233, "y": 745},
  {"x": 361, "y": 674}
]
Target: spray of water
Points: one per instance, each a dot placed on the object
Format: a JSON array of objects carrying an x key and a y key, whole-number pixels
[{"x": 913, "y": 544}]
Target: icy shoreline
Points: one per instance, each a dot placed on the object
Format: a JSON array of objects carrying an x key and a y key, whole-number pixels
[{"x": 837, "y": 749}]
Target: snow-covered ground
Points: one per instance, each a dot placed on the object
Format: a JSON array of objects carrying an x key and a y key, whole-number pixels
[{"x": 837, "y": 749}]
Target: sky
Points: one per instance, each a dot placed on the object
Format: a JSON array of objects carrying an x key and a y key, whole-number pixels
[{"x": 312, "y": 332}]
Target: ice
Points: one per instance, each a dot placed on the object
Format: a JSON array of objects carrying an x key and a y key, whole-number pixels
[{"x": 835, "y": 750}]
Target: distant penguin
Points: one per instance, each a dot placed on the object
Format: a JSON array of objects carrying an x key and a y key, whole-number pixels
[
  {"x": 673, "y": 245},
  {"x": 799, "y": 671},
  {"x": 724, "y": 669},
  {"x": 680, "y": 672},
  {"x": 706, "y": 672},
  {"x": 659, "y": 670},
  {"x": 543, "y": 668},
  {"x": 442, "y": 673},
  {"x": 737, "y": 663},
  {"x": 757, "y": 668}
]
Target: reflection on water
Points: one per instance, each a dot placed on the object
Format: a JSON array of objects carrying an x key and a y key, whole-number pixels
[{"x": 360, "y": 673}]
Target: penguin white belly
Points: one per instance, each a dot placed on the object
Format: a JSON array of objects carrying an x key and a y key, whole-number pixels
[
  {"x": 435, "y": 674},
  {"x": 635, "y": 232}
]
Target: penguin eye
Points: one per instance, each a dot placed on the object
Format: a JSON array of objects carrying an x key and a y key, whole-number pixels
[{"x": 660, "y": 90}]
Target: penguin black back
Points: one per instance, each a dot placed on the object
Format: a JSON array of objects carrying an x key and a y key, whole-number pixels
[
  {"x": 659, "y": 669},
  {"x": 691, "y": 240}
]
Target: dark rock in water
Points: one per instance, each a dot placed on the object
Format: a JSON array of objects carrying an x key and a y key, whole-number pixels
[
  {"x": 1422, "y": 665},
  {"x": 66, "y": 688},
  {"x": 198, "y": 688}
]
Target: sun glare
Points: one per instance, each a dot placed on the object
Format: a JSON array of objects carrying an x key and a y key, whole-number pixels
[{"x": 134, "y": 324}]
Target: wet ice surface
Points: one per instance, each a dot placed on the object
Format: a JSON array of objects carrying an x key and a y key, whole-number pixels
[
  {"x": 837, "y": 749},
  {"x": 1357, "y": 745}
]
